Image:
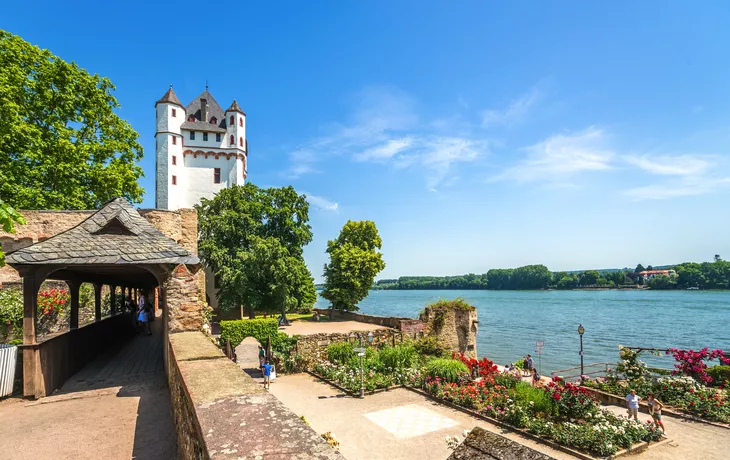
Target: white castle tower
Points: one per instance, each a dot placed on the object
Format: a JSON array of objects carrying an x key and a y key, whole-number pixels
[{"x": 200, "y": 149}]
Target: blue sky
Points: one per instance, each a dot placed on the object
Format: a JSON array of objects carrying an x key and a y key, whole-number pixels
[{"x": 475, "y": 134}]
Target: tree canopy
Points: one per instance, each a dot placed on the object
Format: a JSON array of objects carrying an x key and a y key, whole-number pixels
[
  {"x": 355, "y": 260},
  {"x": 8, "y": 218},
  {"x": 62, "y": 146},
  {"x": 252, "y": 239}
]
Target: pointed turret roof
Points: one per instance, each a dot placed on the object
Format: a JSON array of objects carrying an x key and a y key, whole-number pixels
[
  {"x": 169, "y": 98},
  {"x": 115, "y": 234},
  {"x": 235, "y": 108}
]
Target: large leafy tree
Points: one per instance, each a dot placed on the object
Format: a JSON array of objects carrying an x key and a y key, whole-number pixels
[
  {"x": 62, "y": 146},
  {"x": 253, "y": 239},
  {"x": 8, "y": 218},
  {"x": 355, "y": 260}
]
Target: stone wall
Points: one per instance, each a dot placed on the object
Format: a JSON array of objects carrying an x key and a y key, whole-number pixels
[
  {"x": 481, "y": 444},
  {"x": 185, "y": 309},
  {"x": 314, "y": 347},
  {"x": 456, "y": 330},
  {"x": 221, "y": 413},
  {"x": 402, "y": 324}
]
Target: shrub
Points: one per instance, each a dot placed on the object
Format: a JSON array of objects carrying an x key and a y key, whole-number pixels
[
  {"x": 11, "y": 310},
  {"x": 340, "y": 353},
  {"x": 429, "y": 346},
  {"x": 534, "y": 398},
  {"x": 448, "y": 369},
  {"x": 260, "y": 329},
  {"x": 398, "y": 357},
  {"x": 719, "y": 374}
]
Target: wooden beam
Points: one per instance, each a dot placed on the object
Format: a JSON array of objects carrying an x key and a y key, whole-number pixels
[
  {"x": 73, "y": 287},
  {"x": 113, "y": 300},
  {"x": 31, "y": 283},
  {"x": 97, "y": 302}
]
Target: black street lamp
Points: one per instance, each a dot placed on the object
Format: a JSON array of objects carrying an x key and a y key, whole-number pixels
[{"x": 581, "y": 330}]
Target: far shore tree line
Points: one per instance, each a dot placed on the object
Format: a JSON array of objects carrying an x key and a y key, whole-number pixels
[{"x": 705, "y": 275}]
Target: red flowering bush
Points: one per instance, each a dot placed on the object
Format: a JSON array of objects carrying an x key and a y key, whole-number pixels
[
  {"x": 484, "y": 366},
  {"x": 51, "y": 304},
  {"x": 692, "y": 363},
  {"x": 573, "y": 401}
]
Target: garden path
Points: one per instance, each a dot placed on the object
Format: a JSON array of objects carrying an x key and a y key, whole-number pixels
[
  {"x": 394, "y": 424},
  {"x": 117, "y": 407},
  {"x": 688, "y": 440},
  {"x": 303, "y": 327}
]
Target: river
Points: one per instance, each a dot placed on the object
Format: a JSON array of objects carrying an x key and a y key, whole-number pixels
[{"x": 511, "y": 321}]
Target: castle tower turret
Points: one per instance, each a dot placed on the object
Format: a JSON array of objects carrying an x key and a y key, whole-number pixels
[
  {"x": 170, "y": 115},
  {"x": 236, "y": 133}
]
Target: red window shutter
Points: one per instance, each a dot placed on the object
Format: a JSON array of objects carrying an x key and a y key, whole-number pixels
[
  {"x": 232, "y": 140},
  {"x": 232, "y": 121}
]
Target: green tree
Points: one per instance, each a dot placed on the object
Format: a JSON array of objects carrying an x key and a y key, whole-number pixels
[
  {"x": 354, "y": 263},
  {"x": 589, "y": 277},
  {"x": 662, "y": 282},
  {"x": 8, "y": 218},
  {"x": 639, "y": 268},
  {"x": 252, "y": 239},
  {"x": 61, "y": 144}
]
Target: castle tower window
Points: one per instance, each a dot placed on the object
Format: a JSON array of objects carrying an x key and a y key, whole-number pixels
[
  {"x": 217, "y": 137},
  {"x": 214, "y": 121},
  {"x": 216, "y": 175},
  {"x": 173, "y": 113},
  {"x": 233, "y": 122},
  {"x": 205, "y": 136},
  {"x": 174, "y": 140},
  {"x": 232, "y": 141},
  {"x": 192, "y": 135},
  {"x": 240, "y": 141},
  {"x": 174, "y": 180},
  {"x": 174, "y": 160},
  {"x": 240, "y": 122},
  {"x": 191, "y": 118}
]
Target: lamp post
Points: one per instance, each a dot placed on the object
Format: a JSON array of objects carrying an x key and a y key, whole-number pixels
[
  {"x": 361, "y": 353},
  {"x": 581, "y": 330}
]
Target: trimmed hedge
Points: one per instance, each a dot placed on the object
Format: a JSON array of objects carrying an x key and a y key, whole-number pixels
[
  {"x": 260, "y": 329},
  {"x": 719, "y": 374}
]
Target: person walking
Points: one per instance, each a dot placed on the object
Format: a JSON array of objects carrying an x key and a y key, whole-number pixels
[
  {"x": 632, "y": 404},
  {"x": 530, "y": 365},
  {"x": 655, "y": 410},
  {"x": 143, "y": 315},
  {"x": 267, "y": 375},
  {"x": 525, "y": 367},
  {"x": 262, "y": 359},
  {"x": 535, "y": 378}
]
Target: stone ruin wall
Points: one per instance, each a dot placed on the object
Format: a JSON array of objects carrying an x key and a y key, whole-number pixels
[
  {"x": 314, "y": 347},
  {"x": 458, "y": 332}
]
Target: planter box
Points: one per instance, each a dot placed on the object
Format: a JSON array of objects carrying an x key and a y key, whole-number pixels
[{"x": 8, "y": 361}]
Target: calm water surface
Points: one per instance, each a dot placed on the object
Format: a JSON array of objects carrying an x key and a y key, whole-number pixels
[{"x": 511, "y": 321}]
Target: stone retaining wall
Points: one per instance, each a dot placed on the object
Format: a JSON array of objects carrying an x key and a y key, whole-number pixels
[
  {"x": 314, "y": 347},
  {"x": 222, "y": 413},
  {"x": 409, "y": 325}
]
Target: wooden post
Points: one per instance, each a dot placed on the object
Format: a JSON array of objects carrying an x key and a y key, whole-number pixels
[
  {"x": 74, "y": 286},
  {"x": 97, "y": 302},
  {"x": 113, "y": 300},
  {"x": 30, "y": 355}
]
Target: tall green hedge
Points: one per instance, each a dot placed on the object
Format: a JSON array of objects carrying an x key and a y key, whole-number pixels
[{"x": 260, "y": 329}]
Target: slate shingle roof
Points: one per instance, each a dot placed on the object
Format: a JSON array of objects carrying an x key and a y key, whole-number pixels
[
  {"x": 170, "y": 97},
  {"x": 214, "y": 110},
  {"x": 115, "y": 234},
  {"x": 235, "y": 108}
]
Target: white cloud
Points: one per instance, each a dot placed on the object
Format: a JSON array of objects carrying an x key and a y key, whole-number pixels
[
  {"x": 687, "y": 187},
  {"x": 385, "y": 151},
  {"x": 515, "y": 113},
  {"x": 672, "y": 165},
  {"x": 385, "y": 129},
  {"x": 322, "y": 203},
  {"x": 561, "y": 155}
]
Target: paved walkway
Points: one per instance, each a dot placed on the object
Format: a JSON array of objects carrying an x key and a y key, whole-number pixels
[
  {"x": 395, "y": 424},
  {"x": 117, "y": 407},
  {"x": 303, "y": 327}
]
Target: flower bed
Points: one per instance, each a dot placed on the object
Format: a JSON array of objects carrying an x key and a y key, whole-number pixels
[
  {"x": 683, "y": 394},
  {"x": 561, "y": 412}
]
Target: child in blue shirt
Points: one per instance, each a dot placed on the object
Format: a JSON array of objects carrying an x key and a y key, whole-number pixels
[{"x": 267, "y": 375}]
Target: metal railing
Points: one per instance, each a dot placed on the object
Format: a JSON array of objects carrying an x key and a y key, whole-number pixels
[{"x": 590, "y": 370}]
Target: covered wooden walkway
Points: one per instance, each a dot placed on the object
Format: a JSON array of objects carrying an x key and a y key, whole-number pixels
[{"x": 116, "y": 407}]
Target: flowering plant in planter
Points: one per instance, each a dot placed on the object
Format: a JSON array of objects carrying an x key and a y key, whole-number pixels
[
  {"x": 51, "y": 304},
  {"x": 692, "y": 363},
  {"x": 573, "y": 401},
  {"x": 484, "y": 367}
]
